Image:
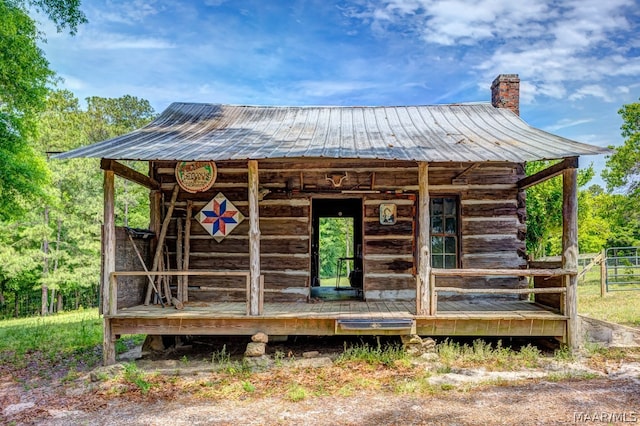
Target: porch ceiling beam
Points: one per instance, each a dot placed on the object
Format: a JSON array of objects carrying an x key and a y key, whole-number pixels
[
  {"x": 129, "y": 174},
  {"x": 548, "y": 173}
]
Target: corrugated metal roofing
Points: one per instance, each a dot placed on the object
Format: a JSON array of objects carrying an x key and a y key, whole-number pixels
[{"x": 461, "y": 133}]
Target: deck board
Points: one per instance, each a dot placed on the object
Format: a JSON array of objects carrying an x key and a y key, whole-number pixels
[
  {"x": 463, "y": 318},
  {"x": 378, "y": 309}
]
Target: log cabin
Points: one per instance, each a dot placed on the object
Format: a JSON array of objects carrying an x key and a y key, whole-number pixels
[{"x": 435, "y": 197}]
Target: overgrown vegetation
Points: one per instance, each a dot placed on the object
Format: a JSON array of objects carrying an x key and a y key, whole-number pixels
[{"x": 64, "y": 346}]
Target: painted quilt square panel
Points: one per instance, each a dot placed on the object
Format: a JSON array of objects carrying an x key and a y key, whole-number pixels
[{"x": 219, "y": 217}]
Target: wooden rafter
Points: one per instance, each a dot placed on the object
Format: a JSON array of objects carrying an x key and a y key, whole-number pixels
[
  {"x": 460, "y": 177},
  {"x": 548, "y": 173},
  {"x": 129, "y": 174}
]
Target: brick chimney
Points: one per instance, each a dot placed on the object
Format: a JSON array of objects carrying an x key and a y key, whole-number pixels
[{"x": 505, "y": 92}]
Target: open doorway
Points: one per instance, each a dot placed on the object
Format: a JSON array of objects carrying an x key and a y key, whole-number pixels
[{"x": 336, "y": 264}]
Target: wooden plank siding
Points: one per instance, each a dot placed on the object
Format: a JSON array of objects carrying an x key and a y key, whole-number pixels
[{"x": 491, "y": 224}]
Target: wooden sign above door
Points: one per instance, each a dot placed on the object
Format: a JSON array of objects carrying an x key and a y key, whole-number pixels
[{"x": 196, "y": 176}]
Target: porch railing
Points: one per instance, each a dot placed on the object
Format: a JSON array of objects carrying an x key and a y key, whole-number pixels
[
  {"x": 113, "y": 284},
  {"x": 433, "y": 290}
]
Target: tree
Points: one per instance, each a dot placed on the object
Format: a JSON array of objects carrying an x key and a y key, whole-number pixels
[
  {"x": 54, "y": 246},
  {"x": 623, "y": 167},
  {"x": 24, "y": 79},
  {"x": 544, "y": 211},
  {"x": 110, "y": 117},
  {"x": 622, "y": 173}
]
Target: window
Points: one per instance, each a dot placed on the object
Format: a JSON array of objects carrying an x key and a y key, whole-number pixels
[{"x": 444, "y": 232}]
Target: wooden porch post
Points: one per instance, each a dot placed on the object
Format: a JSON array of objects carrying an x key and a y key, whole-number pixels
[
  {"x": 424, "y": 283},
  {"x": 254, "y": 241},
  {"x": 570, "y": 251},
  {"x": 109, "y": 266}
]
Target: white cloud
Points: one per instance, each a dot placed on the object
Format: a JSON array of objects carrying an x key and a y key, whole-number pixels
[
  {"x": 325, "y": 89},
  {"x": 593, "y": 90},
  {"x": 97, "y": 39},
  {"x": 73, "y": 83},
  {"x": 563, "y": 49},
  {"x": 129, "y": 12},
  {"x": 566, "y": 122}
]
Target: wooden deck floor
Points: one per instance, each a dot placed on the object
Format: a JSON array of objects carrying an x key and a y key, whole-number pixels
[
  {"x": 345, "y": 309},
  {"x": 460, "y": 318}
]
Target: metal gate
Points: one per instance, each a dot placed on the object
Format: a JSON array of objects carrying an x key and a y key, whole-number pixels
[{"x": 623, "y": 268}]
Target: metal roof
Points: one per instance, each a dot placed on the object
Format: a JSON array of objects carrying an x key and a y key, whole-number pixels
[{"x": 459, "y": 132}]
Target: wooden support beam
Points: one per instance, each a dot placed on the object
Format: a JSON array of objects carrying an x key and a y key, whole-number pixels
[
  {"x": 603, "y": 273},
  {"x": 179, "y": 259},
  {"x": 129, "y": 174},
  {"x": 423, "y": 293},
  {"x": 254, "y": 240},
  {"x": 570, "y": 252},
  {"x": 187, "y": 251},
  {"x": 551, "y": 171},
  {"x": 108, "y": 265},
  {"x": 160, "y": 242}
]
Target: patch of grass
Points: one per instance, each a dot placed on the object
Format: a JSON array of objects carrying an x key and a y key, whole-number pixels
[
  {"x": 60, "y": 333},
  {"x": 248, "y": 387},
  {"x": 278, "y": 357},
  {"x": 221, "y": 357},
  {"x": 415, "y": 384},
  {"x": 136, "y": 377},
  {"x": 296, "y": 393},
  {"x": 481, "y": 353},
  {"x": 617, "y": 306},
  {"x": 563, "y": 354},
  {"x": 387, "y": 355},
  {"x": 568, "y": 375}
]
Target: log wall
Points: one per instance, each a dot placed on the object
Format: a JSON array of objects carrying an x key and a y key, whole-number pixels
[
  {"x": 491, "y": 223},
  {"x": 131, "y": 290}
]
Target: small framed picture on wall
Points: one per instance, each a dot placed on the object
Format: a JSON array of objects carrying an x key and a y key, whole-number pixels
[{"x": 387, "y": 214}]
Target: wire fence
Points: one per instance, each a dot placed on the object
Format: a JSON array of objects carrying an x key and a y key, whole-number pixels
[{"x": 622, "y": 268}]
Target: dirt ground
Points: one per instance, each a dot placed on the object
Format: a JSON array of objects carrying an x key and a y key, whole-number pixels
[{"x": 610, "y": 395}]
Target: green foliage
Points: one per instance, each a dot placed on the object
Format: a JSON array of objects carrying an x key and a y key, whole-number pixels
[
  {"x": 623, "y": 167},
  {"x": 490, "y": 356},
  {"x": 63, "y": 13},
  {"x": 62, "y": 335},
  {"x": 24, "y": 75},
  {"x": 623, "y": 173},
  {"x": 297, "y": 393},
  {"x": 56, "y": 241},
  {"x": 336, "y": 236},
  {"x": 132, "y": 374},
  {"x": 380, "y": 355},
  {"x": 24, "y": 79},
  {"x": 544, "y": 212}
]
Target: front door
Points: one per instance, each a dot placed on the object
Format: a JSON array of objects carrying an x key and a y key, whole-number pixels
[{"x": 336, "y": 249}]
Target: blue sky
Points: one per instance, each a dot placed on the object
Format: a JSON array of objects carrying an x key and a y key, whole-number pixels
[{"x": 578, "y": 60}]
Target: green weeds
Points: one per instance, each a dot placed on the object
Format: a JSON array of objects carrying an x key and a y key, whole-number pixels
[
  {"x": 387, "y": 355},
  {"x": 136, "y": 377}
]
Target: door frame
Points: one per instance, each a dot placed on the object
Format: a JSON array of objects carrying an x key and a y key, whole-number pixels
[{"x": 352, "y": 207}]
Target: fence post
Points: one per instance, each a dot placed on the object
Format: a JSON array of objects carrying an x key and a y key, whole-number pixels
[{"x": 603, "y": 274}]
